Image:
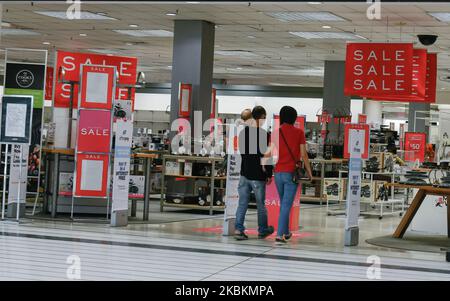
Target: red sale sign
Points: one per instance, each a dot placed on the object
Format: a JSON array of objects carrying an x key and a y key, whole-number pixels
[
  {"x": 91, "y": 175},
  {"x": 362, "y": 118},
  {"x": 299, "y": 123},
  {"x": 94, "y": 131},
  {"x": 71, "y": 62},
  {"x": 273, "y": 207},
  {"x": 376, "y": 69},
  {"x": 49, "y": 83},
  {"x": 348, "y": 129},
  {"x": 415, "y": 146},
  {"x": 97, "y": 83}
]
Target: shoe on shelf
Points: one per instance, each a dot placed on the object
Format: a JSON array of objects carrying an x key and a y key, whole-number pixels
[
  {"x": 240, "y": 236},
  {"x": 280, "y": 239},
  {"x": 268, "y": 232}
]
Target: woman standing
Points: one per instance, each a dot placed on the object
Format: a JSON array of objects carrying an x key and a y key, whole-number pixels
[{"x": 290, "y": 146}]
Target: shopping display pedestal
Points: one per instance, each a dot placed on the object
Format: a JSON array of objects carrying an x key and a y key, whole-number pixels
[
  {"x": 273, "y": 207},
  {"x": 119, "y": 218},
  {"x": 12, "y": 210}
]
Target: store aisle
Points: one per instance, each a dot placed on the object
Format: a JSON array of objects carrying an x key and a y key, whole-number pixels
[{"x": 44, "y": 252}]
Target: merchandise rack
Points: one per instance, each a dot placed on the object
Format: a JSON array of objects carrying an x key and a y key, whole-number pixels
[
  {"x": 212, "y": 178},
  {"x": 373, "y": 203}
]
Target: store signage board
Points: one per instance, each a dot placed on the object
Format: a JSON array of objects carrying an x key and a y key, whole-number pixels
[
  {"x": 72, "y": 61},
  {"x": 16, "y": 175},
  {"x": 356, "y": 139},
  {"x": 353, "y": 192},
  {"x": 415, "y": 143},
  {"x": 94, "y": 131},
  {"x": 15, "y": 119},
  {"x": 378, "y": 69},
  {"x": 121, "y": 171},
  {"x": 184, "y": 98},
  {"x": 91, "y": 175},
  {"x": 362, "y": 118},
  {"x": 97, "y": 84},
  {"x": 49, "y": 84}
]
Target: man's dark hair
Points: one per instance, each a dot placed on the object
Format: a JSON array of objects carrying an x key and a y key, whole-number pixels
[
  {"x": 288, "y": 115},
  {"x": 258, "y": 112}
]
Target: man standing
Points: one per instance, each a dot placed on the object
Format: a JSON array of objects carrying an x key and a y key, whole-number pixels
[{"x": 253, "y": 142}]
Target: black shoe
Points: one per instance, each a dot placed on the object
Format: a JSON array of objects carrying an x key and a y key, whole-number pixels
[
  {"x": 287, "y": 237},
  {"x": 240, "y": 236},
  {"x": 268, "y": 232},
  {"x": 281, "y": 239}
]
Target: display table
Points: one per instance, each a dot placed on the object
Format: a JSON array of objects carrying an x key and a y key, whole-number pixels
[
  {"x": 57, "y": 152},
  {"x": 415, "y": 204}
]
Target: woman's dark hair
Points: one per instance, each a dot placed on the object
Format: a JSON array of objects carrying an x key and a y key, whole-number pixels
[
  {"x": 288, "y": 115},
  {"x": 258, "y": 112}
]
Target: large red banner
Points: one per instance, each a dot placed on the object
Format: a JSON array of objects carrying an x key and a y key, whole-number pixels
[
  {"x": 379, "y": 69},
  {"x": 71, "y": 62},
  {"x": 94, "y": 131},
  {"x": 415, "y": 146}
]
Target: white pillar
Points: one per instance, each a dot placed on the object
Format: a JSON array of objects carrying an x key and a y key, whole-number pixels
[{"x": 373, "y": 111}]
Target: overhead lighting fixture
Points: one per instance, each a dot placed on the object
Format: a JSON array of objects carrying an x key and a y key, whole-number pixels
[
  {"x": 6, "y": 24},
  {"x": 133, "y": 25},
  {"x": 443, "y": 17},
  {"x": 145, "y": 33},
  {"x": 18, "y": 32},
  {"x": 251, "y": 37},
  {"x": 304, "y": 16},
  {"x": 46, "y": 43},
  {"x": 171, "y": 14},
  {"x": 192, "y": 2},
  {"x": 239, "y": 53},
  {"x": 103, "y": 51},
  {"x": 83, "y": 35},
  {"x": 170, "y": 67},
  {"x": 287, "y": 46},
  {"x": 326, "y": 35},
  {"x": 326, "y": 27},
  {"x": 314, "y": 3},
  {"x": 129, "y": 44},
  {"x": 84, "y": 15}
]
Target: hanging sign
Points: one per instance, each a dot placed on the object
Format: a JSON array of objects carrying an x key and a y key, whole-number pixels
[
  {"x": 378, "y": 69},
  {"x": 16, "y": 119},
  {"x": 356, "y": 140},
  {"x": 362, "y": 118},
  {"x": 94, "y": 131},
  {"x": 415, "y": 146},
  {"x": 184, "y": 98},
  {"x": 71, "y": 62},
  {"x": 49, "y": 83},
  {"x": 97, "y": 83},
  {"x": 91, "y": 175}
]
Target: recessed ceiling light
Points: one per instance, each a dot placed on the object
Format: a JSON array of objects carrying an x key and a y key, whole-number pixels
[
  {"x": 145, "y": 33},
  {"x": 6, "y": 24},
  {"x": 304, "y": 16},
  {"x": 170, "y": 67},
  {"x": 326, "y": 35},
  {"x": 239, "y": 53},
  {"x": 171, "y": 14},
  {"x": 46, "y": 43},
  {"x": 443, "y": 17},
  {"x": 286, "y": 46},
  {"x": 133, "y": 25},
  {"x": 83, "y": 35},
  {"x": 314, "y": 3},
  {"x": 17, "y": 32},
  {"x": 129, "y": 44},
  {"x": 251, "y": 37},
  {"x": 84, "y": 15},
  {"x": 239, "y": 68},
  {"x": 326, "y": 26},
  {"x": 192, "y": 2}
]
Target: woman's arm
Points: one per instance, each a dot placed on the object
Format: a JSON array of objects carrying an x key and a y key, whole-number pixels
[{"x": 305, "y": 158}]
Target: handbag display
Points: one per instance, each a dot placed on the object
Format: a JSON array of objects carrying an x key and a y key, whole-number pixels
[{"x": 299, "y": 172}]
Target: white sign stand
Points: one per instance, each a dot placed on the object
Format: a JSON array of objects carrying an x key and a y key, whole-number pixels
[{"x": 356, "y": 148}]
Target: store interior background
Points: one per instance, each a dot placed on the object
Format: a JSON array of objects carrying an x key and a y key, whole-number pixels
[{"x": 252, "y": 48}]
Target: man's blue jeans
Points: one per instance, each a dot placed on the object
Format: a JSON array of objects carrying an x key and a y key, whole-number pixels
[
  {"x": 286, "y": 190},
  {"x": 259, "y": 188}
]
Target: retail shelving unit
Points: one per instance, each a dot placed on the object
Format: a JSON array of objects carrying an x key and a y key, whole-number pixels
[
  {"x": 321, "y": 198},
  {"x": 373, "y": 203},
  {"x": 212, "y": 178}
]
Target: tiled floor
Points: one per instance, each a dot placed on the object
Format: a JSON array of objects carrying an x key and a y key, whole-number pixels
[{"x": 42, "y": 250}]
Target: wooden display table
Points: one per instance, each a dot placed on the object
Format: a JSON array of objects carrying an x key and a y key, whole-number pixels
[{"x": 415, "y": 204}]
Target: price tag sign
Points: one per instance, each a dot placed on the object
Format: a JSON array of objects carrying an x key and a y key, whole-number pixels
[{"x": 415, "y": 146}]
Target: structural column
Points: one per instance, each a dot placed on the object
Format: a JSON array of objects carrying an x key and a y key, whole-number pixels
[
  {"x": 334, "y": 100},
  {"x": 373, "y": 110},
  {"x": 418, "y": 114},
  {"x": 193, "y": 60}
]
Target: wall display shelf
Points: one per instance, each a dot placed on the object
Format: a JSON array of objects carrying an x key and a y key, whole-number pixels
[{"x": 207, "y": 191}]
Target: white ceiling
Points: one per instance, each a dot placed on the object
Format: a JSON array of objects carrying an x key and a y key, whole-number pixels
[{"x": 280, "y": 58}]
